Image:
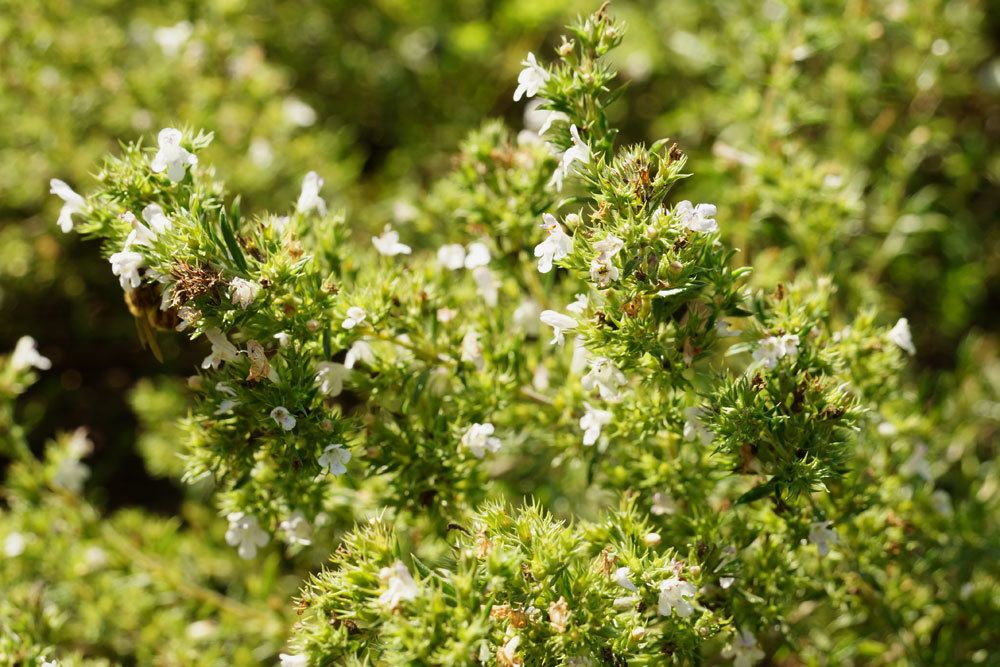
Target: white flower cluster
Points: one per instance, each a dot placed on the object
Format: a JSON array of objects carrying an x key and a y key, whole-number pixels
[
  {"x": 476, "y": 258},
  {"x": 774, "y": 348}
]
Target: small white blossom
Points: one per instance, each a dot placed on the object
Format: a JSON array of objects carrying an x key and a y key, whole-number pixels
[
  {"x": 479, "y": 438},
  {"x": 551, "y": 118},
  {"x": 663, "y": 503},
  {"x": 330, "y": 377},
  {"x": 355, "y": 316},
  {"x": 605, "y": 377},
  {"x": 26, "y": 356},
  {"x": 694, "y": 428},
  {"x": 593, "y": 420},
  {"x": 156, "y": 219},
  {"x": 140, "y": 234},
  {"x": 445, "y": 314},
  {"x": 388, "y": 243},
  {"x": 743, "y": 650},
  {"x": 623, "y": 577},
  {"x": 172, "y": 157},
  {"x": 297, "y": 529},
  {"x": 334, "y": 459},
  {"x": 245, "y": 534},
  {"x": 222, "y": 349},
  {"x": 451, "y": 256},
  {"x": 526, "y": 317},
  {"x": 399, "y": 585},
  {"x": 126, "y": 265},
  {"x": 283, "y": 418},
  {"x": 917, "y": 465},
  {"x": 578, "y": 152},
  {"x": 722, "y": 329},
  {"x": 556, "y": 245},
  {"x": 283, "y": 338},
  {"x": 309, "y": 199},
  {"x": 581, "y": 357},
  {"x": 700, "y": 218},
  {"x": 610, "y": 246},
  {"x": 477, "y": 254},
  {"x": 14, "y": 545},
  {"x": 472, "y": 351},
  {"x": 487, "y": 285},
  {"x": 298, "y": 112},
  {"x": 675, "y": 595},
  {"x": 726, "y": 582},
  {"x": 823, "y": 535},
  {"x": 900, "y": 336},
  {"x": 531, "y": 79},
  {"x": 559, "y": 324},
  {"x": 579, "y": 306},
  {"x": 293, "y": 660},
  {"x": 603, "y": 271},
  {"x": 243, "y": 292},
  {"x": 73, "y": 203},
  {"x": 509, "y": 651},
  {"x": 359, "y": 351},
  {"x": 773, "y": 348},
  {"x": 172, "y": 38}
]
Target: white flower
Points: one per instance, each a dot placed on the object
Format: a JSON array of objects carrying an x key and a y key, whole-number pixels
[
  {"x": 172, "y": 38},
  {"x": 283, "y": 338},
  {"x": 156, "y": 219},
  {"x": 487, "y": 285},
  {"x": 700, "y": 218},
  {"x": 74, "y": 203},
  {"x": 900, "y": 335},
  {"x": 71, "y": 474},
  {"x": 298, "y": 112},
  {"x": 472, "y": 351},
  {"x": 477, "y": 254},
  {"x": 603, "y": 271},
  {"x": 245, "y": 534},
  {"x": 222, "y": 349},
  {"x": 622, "y": 577},
  {"x": 388, "y": 243},
  {"x": 526, "y": 317},
  {"x": 360, "y": 351},
  {"x": 330, "y": 377},
  {"x": 309, "y": 199},
  {"x": 293, "y": 660},
  {"x": 172, "y": 157},
  {"x": 551, "y": 118},
  {"x": 451, "y": 256},
  {"x": 283, "y": 418},
  {"x": 556, "y": 245},
  {"x": 243, "y": 292},
  {"x": 578, "y": 152},
  {"x": 675, "y": 595},
  {"x": 126, "y": 265},
  {"x": 593, "y": 420},
  {"x": 578, "y": 306},
  {"x": 355, "y": 316},
  {"x": 823, "y": 535},
  {"x": 773, "y": 348},
  {"x": 743, "y": 650},
  {"x": 399, "y": 585},
  {"x": 917, "y": 465},
  {"x": 479, "y": 438},
  {"x": 297, "y": 529},
  {"x": 445, "y": 314},
  {"x": 726, "y": 582},
  {"x": 693, "y": 428},
  {"x": 531, "y": 79},
  {"x": 509, "y": 651},
  {"x": 610, "y": 246},
  {"x": 605, "y": 377},
  {"x": 663, "y": 503},
  {"x": 581, "y": 357},
  {"x": 559, "y": 323},
  {"x": 722, "y": 329},
  {"x": 26, "y": 356},
  {"x": 941, "y": 502},
  {"x": 334, "y": 458},
  {"x": 14, "y": 545}
]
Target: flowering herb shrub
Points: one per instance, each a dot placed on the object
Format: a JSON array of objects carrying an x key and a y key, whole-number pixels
[{"x": 548, "y": 421}]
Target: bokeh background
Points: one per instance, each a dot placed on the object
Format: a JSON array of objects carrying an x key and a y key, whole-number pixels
[{"x": 860, "y": 134}]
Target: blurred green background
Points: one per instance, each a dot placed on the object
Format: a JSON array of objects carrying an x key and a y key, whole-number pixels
[{"x": 852, "y": 138}]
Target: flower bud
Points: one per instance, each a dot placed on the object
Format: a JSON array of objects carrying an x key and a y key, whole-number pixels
[{"x": 651, "y": 539}]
